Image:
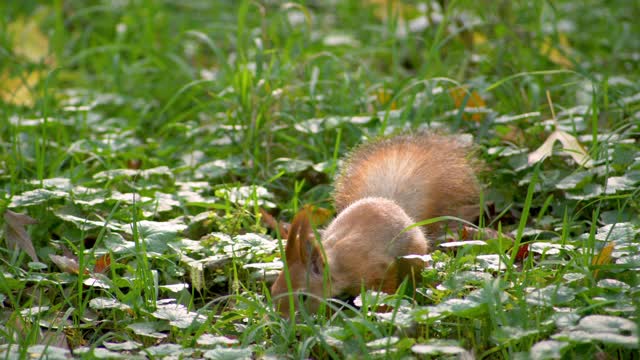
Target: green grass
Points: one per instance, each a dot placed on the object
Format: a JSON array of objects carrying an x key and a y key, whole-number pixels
[{"x": 227, "y": 107}]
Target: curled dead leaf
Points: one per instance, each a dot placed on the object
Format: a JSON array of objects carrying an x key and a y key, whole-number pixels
[
  {"x": 570, "y": 146},
  {"x": 66, "y": 264},
  {"x": 102, "y": 263},
  {"x": 603, "y": 258}
]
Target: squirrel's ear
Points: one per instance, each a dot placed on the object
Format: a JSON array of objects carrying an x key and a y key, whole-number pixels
[
  {"x": 302, "y": 245},
  {"x": 297, "y": 239},
  {"x": 310, "y": 252}
]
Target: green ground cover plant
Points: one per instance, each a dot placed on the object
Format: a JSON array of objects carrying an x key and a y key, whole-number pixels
[{"x": 140, "y": 140}]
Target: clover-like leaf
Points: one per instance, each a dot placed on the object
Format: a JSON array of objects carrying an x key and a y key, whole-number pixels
[
  {"x": 178, "y": 315},
  {"x": 208, "y": 339},
  {"x": 47, "y": 351},
  {"x": 551, "y": 295},
  {"x": 36, "y": 197},
  {"x": 102, "y": 303},
  {"x": 292, "y": 166},
  {"x": 162, "y": 350},
  {"x": 149, "y": 329},
  {"x": 547, "y": 349},
  {"x": 604, "y": 329},
  {"x": 438, "y": 347},
  {"x": 223, "y": 353},
  {"x": 122, "y": 346}
]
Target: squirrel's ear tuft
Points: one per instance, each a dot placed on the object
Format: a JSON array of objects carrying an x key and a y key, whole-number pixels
[
  {"x": 292, "y": 251},
  {"x": 311, "y": 253},
  {"x": 298, "y": 240},
  {"x": 302, "y": 245}
]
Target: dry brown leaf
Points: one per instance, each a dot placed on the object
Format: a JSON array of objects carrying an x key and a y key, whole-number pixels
[
  {"x": 53, "y": 337},
  {"x": 570, "y": 146},
  {"x": 66, "y": 264},
  {"x": 16, "y": 233},
  {"x": 102, "y": 264}
]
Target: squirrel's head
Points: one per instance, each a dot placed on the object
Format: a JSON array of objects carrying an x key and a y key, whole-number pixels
[
  {"x": 306, "y": 264},
  {"x": 363, "y": 244}
]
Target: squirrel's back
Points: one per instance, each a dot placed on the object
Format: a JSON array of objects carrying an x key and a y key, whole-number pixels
[{"x": 428, "y": 175}]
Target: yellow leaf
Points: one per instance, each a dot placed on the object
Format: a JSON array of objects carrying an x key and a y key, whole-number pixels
[
  {"x": 18, "y": 90},
  {"x": 28, "y": 41},
  {"x": 475, "y": 101},
  {"x": 479, "y": 38},
  {"x": 381, "y": 8},
  {"x": 472, "y": 39},
  {"x": 554, "y": 54},
  {"x": 383, "y": 96},
  {"x": 604, "y": 257}
]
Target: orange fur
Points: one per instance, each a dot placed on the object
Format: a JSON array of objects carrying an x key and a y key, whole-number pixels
[
  {"x": 385, "y": 186},
  {"x": 428, "y": 175}
]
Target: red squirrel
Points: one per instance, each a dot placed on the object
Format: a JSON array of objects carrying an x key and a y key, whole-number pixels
[{"x": 384, "y": 187}]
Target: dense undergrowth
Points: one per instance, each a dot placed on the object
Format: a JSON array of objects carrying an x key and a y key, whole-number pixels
[{"x": 140, "y": 139}]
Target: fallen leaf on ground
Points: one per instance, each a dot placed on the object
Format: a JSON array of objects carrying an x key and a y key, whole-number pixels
[
  {"x": 27, "y": 39},
  {"x": 553, "y": 52},
  {"x": 460, "y": 93},
  {"x": 523, "y": 252},
  {"x": 603, "y": 258},
  {"x": 103, "y": 263},
  {"x": 16, "y": 233},
  {"x": 570, "y": 146},
  {"x": 66, "y": 264},
  {"x": 384, "y": 97},
  {"x": 18, "y": 89}
]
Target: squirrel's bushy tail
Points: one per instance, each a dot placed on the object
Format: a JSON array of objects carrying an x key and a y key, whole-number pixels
[{"x": 428, "y": 175}]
